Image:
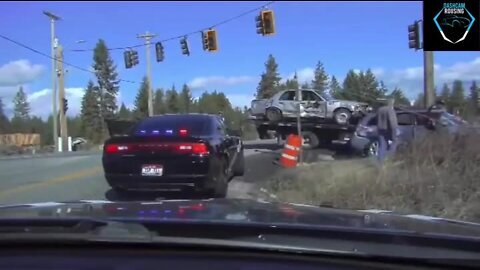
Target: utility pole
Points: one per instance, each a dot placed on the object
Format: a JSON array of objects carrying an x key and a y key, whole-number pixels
[
  {"x": 53, "y": 18},
  {"x": 147, "y": 37},
  {"x": 428, "y": 79},
  {"x": 61, "y": 98}
]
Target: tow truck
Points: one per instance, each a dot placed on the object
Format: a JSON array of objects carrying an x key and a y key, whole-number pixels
[
  {"x": 323, "y": 119},
  {"x": 315, "y": 132}
]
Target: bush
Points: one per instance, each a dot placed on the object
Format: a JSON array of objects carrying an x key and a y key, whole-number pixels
[{"x": 438, "y": 176}]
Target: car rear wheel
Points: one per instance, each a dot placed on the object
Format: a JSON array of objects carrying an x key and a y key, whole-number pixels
[
  {"x": 221, "y": 188},
  {"x": 273, "y": 115},
  {"x": 342, "y": 116},
  {"x": 240, "y": 165}
]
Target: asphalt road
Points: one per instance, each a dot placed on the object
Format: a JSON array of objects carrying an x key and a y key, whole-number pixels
[{"x": 70, "y": 178}]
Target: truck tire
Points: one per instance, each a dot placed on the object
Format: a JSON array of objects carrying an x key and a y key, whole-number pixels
[
  {"x": 273, "y": 115},
  {"x": 342, "y": 116},
  {"x": 310, "y": 140},
  {"x": 262, "y": 133}
]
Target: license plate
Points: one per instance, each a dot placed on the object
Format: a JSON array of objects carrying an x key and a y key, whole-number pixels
[{"x": 152, "y": 170}]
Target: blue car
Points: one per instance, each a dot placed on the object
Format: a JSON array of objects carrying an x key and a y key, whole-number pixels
[{"x": 412, "y": 124}]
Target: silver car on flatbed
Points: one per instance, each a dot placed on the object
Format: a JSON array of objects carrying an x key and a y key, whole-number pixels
[{"x": 283, "y": 105}]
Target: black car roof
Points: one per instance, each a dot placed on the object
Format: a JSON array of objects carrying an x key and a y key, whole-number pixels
[{"x": 185, "y": 115}]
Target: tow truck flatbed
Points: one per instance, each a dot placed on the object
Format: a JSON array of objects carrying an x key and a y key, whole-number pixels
[{"x": 316, "y": 131}]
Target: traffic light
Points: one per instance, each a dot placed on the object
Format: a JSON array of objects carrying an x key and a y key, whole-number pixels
[
  {"x": 65, "y": 105},
  {"x": 414, "y": 36},
  {"x": 128, "y": 59},
  {"x": 259, "y": 22},
  {"x": 134, "y": 58},
  {"x": 268, "y": 22},
  {"x": 265, "y": 23},
  {"x": 184, "y": 45},
  {"x": 159, "y": 51},
  {"x": 209, "y": 38}
]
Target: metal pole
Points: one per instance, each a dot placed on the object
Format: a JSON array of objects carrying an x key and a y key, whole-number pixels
[
  {"x": 149, "y": 76},
  {"x": 147, "y": 36},
  {"x": 428, "y": 78},
  {"x": 299, "y": 125}
]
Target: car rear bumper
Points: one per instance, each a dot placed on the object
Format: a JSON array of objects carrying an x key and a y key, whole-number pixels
[{"x": 159, "y": 183}]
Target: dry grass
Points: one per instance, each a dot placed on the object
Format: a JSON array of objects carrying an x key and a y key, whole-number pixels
[{"x": 438, "y": 177}]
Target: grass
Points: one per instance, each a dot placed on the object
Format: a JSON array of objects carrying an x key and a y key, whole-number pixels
[{"x": 437, "y": 177}]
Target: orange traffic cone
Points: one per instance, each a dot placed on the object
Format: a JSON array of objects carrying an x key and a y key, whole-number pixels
[{"x": 291, "y": 151}]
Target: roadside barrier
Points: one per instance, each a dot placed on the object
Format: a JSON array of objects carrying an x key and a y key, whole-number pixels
[{"x": 291, "y": 151}]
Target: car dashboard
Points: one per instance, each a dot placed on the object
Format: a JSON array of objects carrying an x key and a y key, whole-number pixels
[{"x": 128, "y": 258}]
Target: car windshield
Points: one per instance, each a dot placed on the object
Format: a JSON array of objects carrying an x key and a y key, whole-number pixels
[{"x": 146, "y": 102}]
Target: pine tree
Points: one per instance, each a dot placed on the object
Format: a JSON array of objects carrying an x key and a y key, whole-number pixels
[
  {"x": 305, "y": 85},
  {"x": 159, "y": 102},
  {"x": 350, "y": 85},
  {"x": 382, "y": 89},
  {"x": 320, "y": 81},
  {"x": 368, "y": 88},
  {"x": 124, "y": 112},
  {"x": 293, "y": 83},
  {"x": 283, "y": 86},
  {"x": 105, "y": 71},
  {"x": 185, "y": 99},
  {"x": 335, "y": 88},
  {"x": 4, "y": 122},
  {"x": 21, "y": 107},
  {"x": 400, "y": 98},
  {"x": 457, "y": 97},
  {"x": 419, "y": 101},
  {"x": 172, "y": 100},
  {"x": 270, "y": 79},
  {"x": 90, "y": 114},
  {"x": 21, "y": 110},
  {"x": 474, "y": 99},
  {"x": 141, "y": 100},
  {"x": 445, "y": 97}
]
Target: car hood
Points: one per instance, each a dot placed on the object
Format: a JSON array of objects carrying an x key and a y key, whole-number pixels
[{"x": 240, "y": 211}]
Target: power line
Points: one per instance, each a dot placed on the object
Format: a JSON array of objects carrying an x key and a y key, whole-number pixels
[
  {"x": 187, "y": 34},
  {"x": 54, "y": 58}
]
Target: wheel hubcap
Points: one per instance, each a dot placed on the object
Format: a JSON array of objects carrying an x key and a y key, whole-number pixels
[
  {"x": 342, "y": 117},
  {"x": 306, "y": 141},
  {"x": 373, "y": 149}
]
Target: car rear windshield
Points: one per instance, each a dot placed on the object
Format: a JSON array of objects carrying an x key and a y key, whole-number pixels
[{"x": 173, "y": 125}]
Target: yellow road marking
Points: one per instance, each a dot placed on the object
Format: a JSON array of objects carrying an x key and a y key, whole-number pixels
[{"x": 56, "y": 180}]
